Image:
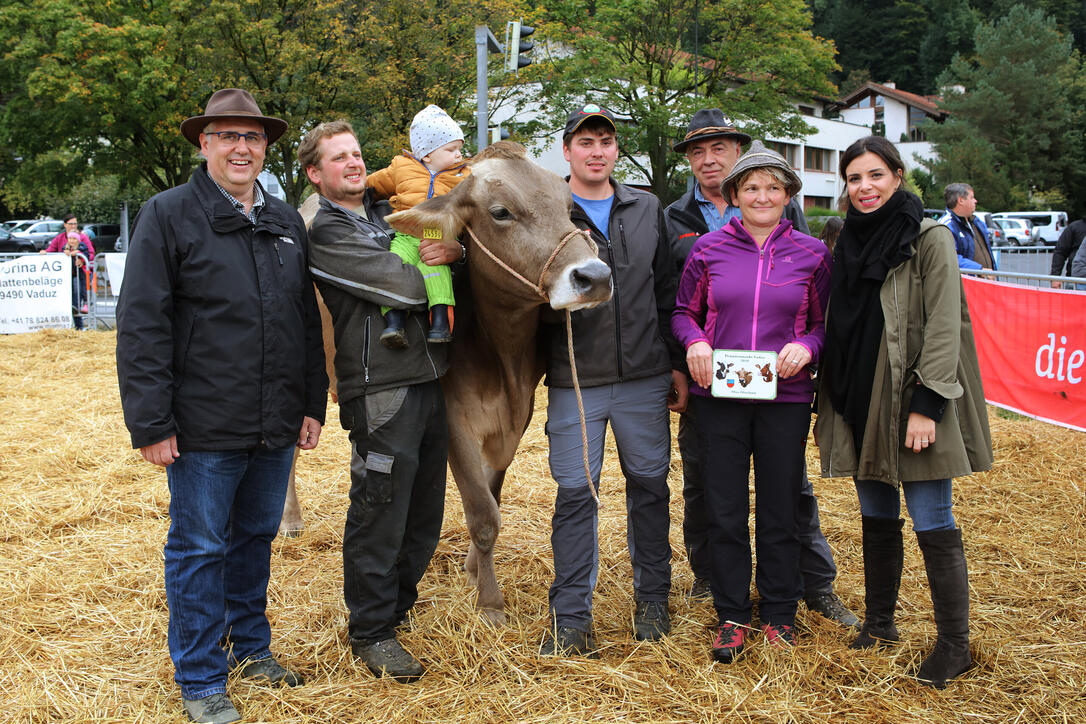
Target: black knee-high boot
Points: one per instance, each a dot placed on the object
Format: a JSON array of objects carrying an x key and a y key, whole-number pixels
[
  {"x": 944, "y": 559},
  {"x": 883, "y": 558}
]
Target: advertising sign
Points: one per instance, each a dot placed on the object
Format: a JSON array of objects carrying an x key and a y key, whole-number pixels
[
  {"x": 1032, "y": 348},
  {"x": 35, "y": 293}
]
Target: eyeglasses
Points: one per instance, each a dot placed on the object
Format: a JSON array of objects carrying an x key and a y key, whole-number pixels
[
  {"x": 252, "y": 140},
  {"x": 71, "y": 223}
]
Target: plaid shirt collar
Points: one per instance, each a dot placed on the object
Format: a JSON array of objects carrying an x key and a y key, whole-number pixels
[{"x": 258, "y": 200}]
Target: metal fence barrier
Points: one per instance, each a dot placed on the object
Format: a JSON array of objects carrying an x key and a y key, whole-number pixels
[
  {"x": 1039, "y": 281},
  {"x": 1024, "y": 259}
]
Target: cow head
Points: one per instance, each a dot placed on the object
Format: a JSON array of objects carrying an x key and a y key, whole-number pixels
[{"x": 520, "y": 212}]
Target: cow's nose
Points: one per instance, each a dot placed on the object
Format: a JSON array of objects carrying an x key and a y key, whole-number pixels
[{"x": 593, "y": 276}]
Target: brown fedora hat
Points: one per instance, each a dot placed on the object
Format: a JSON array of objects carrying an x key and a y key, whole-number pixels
[{"x": 231, "y": 103}]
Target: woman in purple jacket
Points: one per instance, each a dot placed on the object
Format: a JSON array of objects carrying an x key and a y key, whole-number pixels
[{"x": 756, "y": 285}]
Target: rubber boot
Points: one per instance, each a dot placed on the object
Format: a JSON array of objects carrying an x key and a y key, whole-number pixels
[
  {"x": 394, "y": 336},
  {"x": 884, "y": 556},
  {"x": 440, "y": 331},
  {"x": 948, "y": 578}
]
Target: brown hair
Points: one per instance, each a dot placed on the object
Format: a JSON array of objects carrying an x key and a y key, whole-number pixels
[
  {"x": 878, "y": 146},
  {"x": 831, "y": 231},
  {"x": 309, "y": 148}
]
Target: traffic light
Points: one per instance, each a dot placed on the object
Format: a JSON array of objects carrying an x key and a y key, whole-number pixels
[{"x": 516, "y": 45}]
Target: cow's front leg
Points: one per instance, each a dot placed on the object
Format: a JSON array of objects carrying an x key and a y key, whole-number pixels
[{"x": 291, "y": 525}]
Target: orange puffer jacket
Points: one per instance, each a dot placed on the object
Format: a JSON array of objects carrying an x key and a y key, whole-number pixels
[{"x": 407, "y": 182}]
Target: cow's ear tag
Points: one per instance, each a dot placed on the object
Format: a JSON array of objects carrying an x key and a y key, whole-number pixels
[{"x": 431, "y": 232}]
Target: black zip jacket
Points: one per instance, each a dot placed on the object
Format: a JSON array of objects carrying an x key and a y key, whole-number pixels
[
  {"x": 685, "y": 224},
  {"x": 218, "y": 333},
  {"x": 357, "y": 275},
  {"x": 1066, "y": 248},
  {"x": 628, "y": 337}
]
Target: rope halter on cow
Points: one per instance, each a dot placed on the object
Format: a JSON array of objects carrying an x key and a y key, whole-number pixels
[{"x": 538, "y": 288}]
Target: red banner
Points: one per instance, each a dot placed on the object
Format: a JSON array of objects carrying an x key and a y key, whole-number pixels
[{"x": 1032, "y": 347}]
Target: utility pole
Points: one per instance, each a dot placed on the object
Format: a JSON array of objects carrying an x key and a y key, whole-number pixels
[{"x": 485, "y": 44}]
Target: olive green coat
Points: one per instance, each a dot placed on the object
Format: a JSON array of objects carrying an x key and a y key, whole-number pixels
[{"x": 927, "y": 338}]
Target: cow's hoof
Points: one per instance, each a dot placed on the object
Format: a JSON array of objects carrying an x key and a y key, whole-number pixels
[
  {"x": 291, "y": 532},
  {"x": 493, "y": 616}
]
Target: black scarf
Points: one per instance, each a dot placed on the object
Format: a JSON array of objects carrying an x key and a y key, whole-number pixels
[{"x": 870, "y": 246}]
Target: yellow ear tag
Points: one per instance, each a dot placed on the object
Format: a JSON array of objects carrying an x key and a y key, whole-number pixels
[{"x": 430, "y": 232}]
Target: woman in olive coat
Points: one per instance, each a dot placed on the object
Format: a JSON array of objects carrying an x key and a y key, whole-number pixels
[{"x": 901, "y": 404}]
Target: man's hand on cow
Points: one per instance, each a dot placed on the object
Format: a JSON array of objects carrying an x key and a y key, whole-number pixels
[
  {"x": 437, "y": 253},
  {"x": 310, "y": 434},
  {"x": 790, "y": 360},
  {"x": 679, "y": 394},
  {"x": 161, "y": 453},
  {"x": 699, "y": 358}
]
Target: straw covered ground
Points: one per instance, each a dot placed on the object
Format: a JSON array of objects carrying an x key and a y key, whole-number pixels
[{"x": 83, "y": 628}]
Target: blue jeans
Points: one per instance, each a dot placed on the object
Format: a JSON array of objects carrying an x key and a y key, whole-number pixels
[
  {"x": 224, "y": 512},
  {"x": 928, "y": 501}
]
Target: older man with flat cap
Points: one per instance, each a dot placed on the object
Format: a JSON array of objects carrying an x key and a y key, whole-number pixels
[
  {"x": 221, "y": 371},
  {"x": 712, "y": 146}
]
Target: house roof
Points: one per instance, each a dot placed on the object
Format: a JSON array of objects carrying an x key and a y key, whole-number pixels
[{"x": 928, "y": 104}]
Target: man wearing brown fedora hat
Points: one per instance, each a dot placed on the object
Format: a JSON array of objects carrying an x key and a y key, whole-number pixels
[
  {"x": 221, "y": 371},
  {"x": 713, "y": 146}
]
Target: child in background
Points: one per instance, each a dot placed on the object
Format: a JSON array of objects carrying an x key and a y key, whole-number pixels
[
  {"x": 831, "y": 231},
  {"x": 432, "y": 168}
]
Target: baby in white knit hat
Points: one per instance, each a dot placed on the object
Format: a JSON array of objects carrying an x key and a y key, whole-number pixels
[{"x": 433, "y": 167}]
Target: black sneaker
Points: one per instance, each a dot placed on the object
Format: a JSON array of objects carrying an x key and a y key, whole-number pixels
[
  {"x": 566, "y": 641},
  {"x": 779, "y": 635},
  {"x": 214, "y": 709},
  {"x": 829, "y": 605},
  {"x": 700, "y": 589},
  {"x": 728, "y": 642},
  {"x": 388, "y": 658},
  {"x": 269, "y": 671},
  {"x": 651, "y": 620}
]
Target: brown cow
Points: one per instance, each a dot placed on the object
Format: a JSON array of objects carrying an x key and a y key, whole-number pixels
[{"x": 520, "y": 213}]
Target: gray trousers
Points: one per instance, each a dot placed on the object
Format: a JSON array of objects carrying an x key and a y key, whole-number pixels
[
  {"x": 637, "y": 413},
  {"x": 816, "y": 559}
]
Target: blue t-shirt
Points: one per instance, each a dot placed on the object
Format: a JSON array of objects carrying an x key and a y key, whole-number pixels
[{"x": 599, "y": 211}]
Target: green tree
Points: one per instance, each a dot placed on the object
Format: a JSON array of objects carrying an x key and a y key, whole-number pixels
[
  {"x": 104, "y": 80},
  {"x": 1016, "y": 113},
  {"x": 756, "y": 58},
  {"x": 908, "y": 42},
  {"x": 101, "y": 86},
  {"x": 376, "y": 62}
]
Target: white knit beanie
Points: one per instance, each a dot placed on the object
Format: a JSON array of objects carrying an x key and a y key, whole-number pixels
[{"x": 431, "y": 129}]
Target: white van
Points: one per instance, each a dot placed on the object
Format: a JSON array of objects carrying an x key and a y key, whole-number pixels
[{"x": 1050, "y": 224}]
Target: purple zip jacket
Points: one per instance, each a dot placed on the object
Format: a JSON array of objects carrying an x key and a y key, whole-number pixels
[{"x": 734, "y": 295}]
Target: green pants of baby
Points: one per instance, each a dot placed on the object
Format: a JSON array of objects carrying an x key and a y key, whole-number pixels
[{"x": 438, "y": 279}]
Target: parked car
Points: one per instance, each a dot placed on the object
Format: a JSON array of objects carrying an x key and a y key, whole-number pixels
[
  {"x": 934, "y": 213},
  {"x": 39, "y": 232},
  {"x": 9, "y": 243},
  {"x": 1019, "y": 232},
  {"x": 105, "y": 237},
  {"x": 10, "y": 225},
  {"x": 1049, "y": 224},
  {"x": 996, "y": 237}
]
